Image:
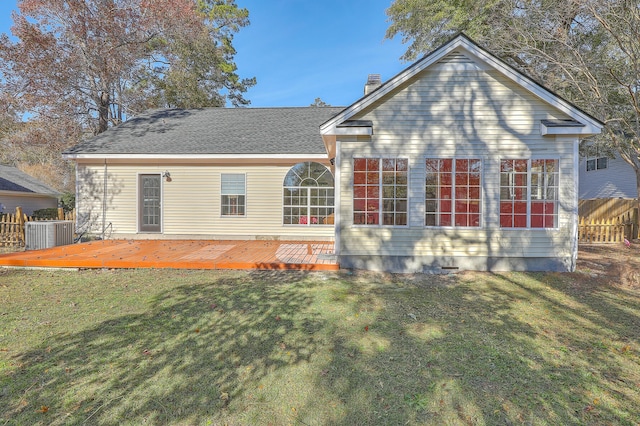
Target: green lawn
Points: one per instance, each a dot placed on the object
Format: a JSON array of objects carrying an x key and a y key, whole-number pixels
[{"x": 243, "y": 348}]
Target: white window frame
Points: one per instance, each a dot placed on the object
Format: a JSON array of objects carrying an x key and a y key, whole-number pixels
[
  {"x": 233, "y": 194},
  {"x": 453, "y": 197},
  {"x": 529, "y": 193},
  {"x": 596, "y": 162},
  {"x": 381, "y": 197},
  {"x": 309, "y": 218}
]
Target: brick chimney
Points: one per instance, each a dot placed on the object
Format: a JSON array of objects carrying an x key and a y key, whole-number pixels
[{"x": 373, "y": 82}]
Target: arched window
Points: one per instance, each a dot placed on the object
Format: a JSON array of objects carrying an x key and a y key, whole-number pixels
[{"x": 308, "y": 195}]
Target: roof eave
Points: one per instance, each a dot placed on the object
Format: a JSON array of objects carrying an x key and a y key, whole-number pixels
[{"x": 150, "y": 156}]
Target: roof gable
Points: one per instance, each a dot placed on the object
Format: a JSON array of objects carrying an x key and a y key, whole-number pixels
[
  {"x": 463, "y": 53},
  {"x": 12, "y": 179}
]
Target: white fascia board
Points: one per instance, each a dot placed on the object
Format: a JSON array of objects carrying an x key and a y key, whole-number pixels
[
  {"x": 569, "y": 130},
  {"x": 192, "y": 156},
  {"x": 26, "y": 194}
]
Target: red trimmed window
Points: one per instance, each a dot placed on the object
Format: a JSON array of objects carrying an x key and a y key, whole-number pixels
[
  {"x": 528, "y": 193},
  {"x": 380, "y": 191},
  {"x": 453, "y": 192}
]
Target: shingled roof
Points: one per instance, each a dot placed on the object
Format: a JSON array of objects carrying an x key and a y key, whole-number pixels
[
  {"x": 12, "y": 179},
  {"x": 214, "y": 131}
]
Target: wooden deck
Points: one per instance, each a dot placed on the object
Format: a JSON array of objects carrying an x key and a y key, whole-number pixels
[{"x": 181, "y": 254}]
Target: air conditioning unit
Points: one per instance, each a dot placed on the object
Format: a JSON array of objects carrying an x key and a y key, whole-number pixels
[{"x": 46, "y": 234}]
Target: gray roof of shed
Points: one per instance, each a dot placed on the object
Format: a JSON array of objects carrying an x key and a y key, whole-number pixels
[
  {"x": 12, "y": 179},
  {"x": 215, "y": 131}
]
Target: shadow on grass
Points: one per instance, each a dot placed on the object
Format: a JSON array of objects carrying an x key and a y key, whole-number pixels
[
  {"x": 344, "y": 349},
  {"x": 496, "y": 349},
  {"x": 183, "y": 361}
]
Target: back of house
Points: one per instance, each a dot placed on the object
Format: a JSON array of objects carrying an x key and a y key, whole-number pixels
[{"x": 457, "y": 162}]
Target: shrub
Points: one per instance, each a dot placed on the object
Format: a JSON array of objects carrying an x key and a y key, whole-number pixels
[{"x": 50, "y": 213}]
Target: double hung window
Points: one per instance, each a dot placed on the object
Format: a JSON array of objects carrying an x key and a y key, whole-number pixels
[
  {"x": 453, "y": 192},
  {"x": 380, "y": 191},
  {"x": 529, "y": 193},
  {"x": 232, "y": 192}
]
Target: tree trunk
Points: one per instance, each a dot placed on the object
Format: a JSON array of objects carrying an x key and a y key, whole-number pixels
[
  {"x": 103, "y": 112},
  {"x": 637, "y": 224}
]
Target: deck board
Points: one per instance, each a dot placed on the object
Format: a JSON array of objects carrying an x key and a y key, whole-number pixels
[{"x": 180, "y": 254}]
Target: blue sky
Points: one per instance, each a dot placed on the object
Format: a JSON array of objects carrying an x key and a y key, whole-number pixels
[{"x": 300, "y": 50}]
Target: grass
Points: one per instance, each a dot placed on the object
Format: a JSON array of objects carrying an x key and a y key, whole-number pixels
[{"x": 193, "y": 347}]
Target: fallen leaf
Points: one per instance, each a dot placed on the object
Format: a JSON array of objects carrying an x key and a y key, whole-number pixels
[
  {"x": 44, "y": 409},
  {"x": 366, "y": 328},
  {"x": 224, "y": 397}
]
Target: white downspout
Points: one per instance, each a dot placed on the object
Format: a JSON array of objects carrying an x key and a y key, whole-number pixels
[
  {"x": 574, "y": 210},
  {"x": 104, "y": 201},
  {"x": 336, "y": 201}
]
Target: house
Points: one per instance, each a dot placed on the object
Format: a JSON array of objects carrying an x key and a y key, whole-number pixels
[
  {"x": 605, "y": 177},
  {"x": 213, "y": 173},
  {"x": 18, "y": 189},
  {"x": 457, "y": 162}
]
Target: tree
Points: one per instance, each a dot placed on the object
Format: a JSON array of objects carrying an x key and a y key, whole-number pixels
[
  {"x": 98, "y": 60},
  {"x": 76, "y": 67},
  {"x": 318, "y": 102},
  {"x": 586, "y": 50}
]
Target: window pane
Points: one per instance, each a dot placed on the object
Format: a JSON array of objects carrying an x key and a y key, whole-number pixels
[
  {"x": 526, "y": 191},
  {"x": 232, "y": 190},
  {"x": 601, "y": 163},
  {"x": 359, "y": 164},
  {"x": 451, "y": 183},
  {"x": 385, "y": 184},
  {"x": 308, "y": 194}
]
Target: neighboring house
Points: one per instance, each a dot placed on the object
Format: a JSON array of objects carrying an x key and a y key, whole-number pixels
[
  {"x": 18, "y": 189},
  {"x": 458, "y": 162},
  {"x": 604, "y": 177}
]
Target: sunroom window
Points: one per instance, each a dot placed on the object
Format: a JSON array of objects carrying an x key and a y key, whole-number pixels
[
  {"x": 529, "y": 193},
  {"x": 380, "y": 191},
  {"x": 453, "y": 192}
]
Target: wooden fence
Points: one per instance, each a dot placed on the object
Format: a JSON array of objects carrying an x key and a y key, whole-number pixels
[
  {"x": 603, "y": 231},
  {"x": 12, "y": 226},
  {"x": 606, "y": 208},
  {"x": 604, "y": 219}
]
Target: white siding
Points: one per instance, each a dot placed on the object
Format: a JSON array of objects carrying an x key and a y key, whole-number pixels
[
  {"x": 464, "y": 112},
  {"x": 190, "y": 204}
]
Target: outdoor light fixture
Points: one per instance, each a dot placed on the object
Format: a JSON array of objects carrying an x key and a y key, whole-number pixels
[
  {"x": 166, "y": 175},
  {"x": 333, "y": 161}
]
